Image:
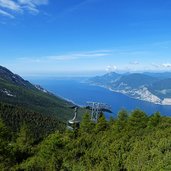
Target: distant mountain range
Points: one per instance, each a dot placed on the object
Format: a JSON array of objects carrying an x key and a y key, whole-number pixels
[{"x": 151, "y": 87}]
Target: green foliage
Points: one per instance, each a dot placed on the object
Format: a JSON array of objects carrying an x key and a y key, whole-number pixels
[
  {"x": 138, "y": 119},
  {"x": 39, "y": 124},
  {"x": 101, "y": 123},
  {"x": 23, "y": 144},
  {"x": 24, "y": 94},
  {"x": 87, "y": 125},
  {"x": 154, "y": 120},
  {"x": 122, "y": 119},
  {"x": 5, "y": 150},
  {"x": 127, "y": 143}
]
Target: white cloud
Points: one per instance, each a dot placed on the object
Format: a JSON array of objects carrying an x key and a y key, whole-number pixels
[
  {"x": 167, "y": 65},
  {"x": 111, "y": 68},
  {"x": 68, "y": 57},
  {"x": 31, "y": 5},
  {"x": 8, "y": 7},
  {"x": 163, "y": 66},
  {"x": 10, "y": 4},
  {"x": 33, "y": 2},
  {"x": 31, "y": 60},
  {"x": 80, "y": 55},
  {"x": 6, "y": 14}
]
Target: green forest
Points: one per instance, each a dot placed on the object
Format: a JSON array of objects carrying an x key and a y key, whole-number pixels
[{"x": 133, "y": 141}]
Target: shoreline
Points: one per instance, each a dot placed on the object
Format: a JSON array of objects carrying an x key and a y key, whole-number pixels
[{"x": 166, "y": 101}]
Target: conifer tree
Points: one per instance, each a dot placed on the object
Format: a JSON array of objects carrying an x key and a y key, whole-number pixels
[
  {"x": 138, "y": 119},
  {"x": 122, "y": 119},
  {"x": 101, "y": 123},
  {"x": 154, "y": 119},
  {"x": 23, "y": 144},
  {"x": 86, "y": 124}
]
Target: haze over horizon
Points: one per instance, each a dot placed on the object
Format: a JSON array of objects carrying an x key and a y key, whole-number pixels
[{"x": 85, "y": 37}]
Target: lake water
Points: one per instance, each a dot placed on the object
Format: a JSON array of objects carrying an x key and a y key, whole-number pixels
[{"x": 80, "y": 93}]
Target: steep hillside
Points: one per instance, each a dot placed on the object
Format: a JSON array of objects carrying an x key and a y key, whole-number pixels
[
  {"x": 135, "y": 80},
  {"x": 8, "y": 76},
  {"x": 17, "y": 91},
  {"x": 161, "y": 88},
  {"x": 39, "y": 124}
]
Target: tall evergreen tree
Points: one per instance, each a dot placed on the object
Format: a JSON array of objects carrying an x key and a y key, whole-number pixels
[
  {"x": 138, "y": 119},
  {"x": 101, "y": 123},
  {"x": 122, "y": 119},
  {"x": 154, "y": 119},
  {"x": 87, "y": 125}
]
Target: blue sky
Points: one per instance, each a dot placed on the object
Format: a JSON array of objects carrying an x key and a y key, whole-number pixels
[{"x": 84, "y": 37}]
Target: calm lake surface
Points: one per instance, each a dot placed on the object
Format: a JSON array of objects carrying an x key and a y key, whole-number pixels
[{"x": 80, "y": 93}]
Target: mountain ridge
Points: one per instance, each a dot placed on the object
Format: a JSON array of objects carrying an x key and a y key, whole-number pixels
[
  {"x": 155, "y": 88},
  {"x": 15, "y": 90}
]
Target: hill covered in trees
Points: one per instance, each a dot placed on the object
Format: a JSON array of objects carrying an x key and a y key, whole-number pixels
[
  {"x": 131, "y": 142},
  {"x": 39, "y": 124},
  {"x": 33, "y": 135},
  {"x": 19, "y": 92}
]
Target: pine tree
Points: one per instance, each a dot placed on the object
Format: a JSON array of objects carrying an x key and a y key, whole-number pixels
[
  {"x": 23, "y": 144},
  {"x": 87, "y": 125},
  {"x": 154, "y": 119},
  {"x": 138, "y": 119},
  {"x": 101, "y": 123},
  {"x": 122, "y": 119},
  {"x": 6, "y": 156}
]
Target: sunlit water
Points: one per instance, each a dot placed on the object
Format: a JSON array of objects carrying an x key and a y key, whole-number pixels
[{"x": 80, "y": 93}]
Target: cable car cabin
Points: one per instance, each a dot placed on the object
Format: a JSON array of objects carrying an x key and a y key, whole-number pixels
[{"x": 73, "y": 124}]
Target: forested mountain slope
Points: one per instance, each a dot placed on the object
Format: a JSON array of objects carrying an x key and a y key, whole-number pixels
[
  {"x": 17, "y": 91},
  {"x": 39, "y": 124},
  {"x": 130, "y": 142}
]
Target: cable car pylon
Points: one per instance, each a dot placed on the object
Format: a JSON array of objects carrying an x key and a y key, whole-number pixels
[{"x": 97, "y": 108}]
